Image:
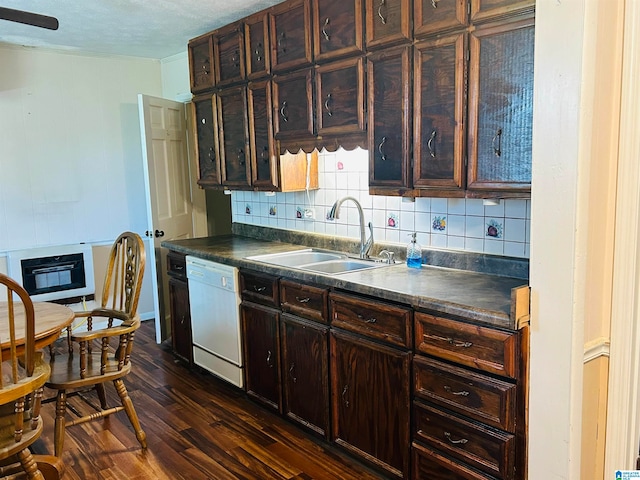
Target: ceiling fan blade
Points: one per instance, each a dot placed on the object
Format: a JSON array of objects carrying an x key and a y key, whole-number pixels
[{"x": 28, "y": 18}]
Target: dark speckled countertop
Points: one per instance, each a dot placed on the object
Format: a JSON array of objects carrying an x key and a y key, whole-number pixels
[{"x": 469, "y": 295}]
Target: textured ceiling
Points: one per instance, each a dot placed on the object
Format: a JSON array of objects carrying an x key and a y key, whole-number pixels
[{"x": 139, "y": 28}]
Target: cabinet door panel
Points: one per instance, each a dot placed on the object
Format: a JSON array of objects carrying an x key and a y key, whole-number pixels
[
  {"x": 439, "y": 106},
  {"x": 337, "y": 28},
  {"x": 257, "y": 46},
  {"x": 180, "y": 318},
  {"x": 293, "y": 105},
  {"x": 370, "y": 400},
  {"x": 201, "y": 64},
  {"x": 208, "y": 159},
  {"x": 340, "y": 97},
  {"x": 305, "y": 364},
  {"x": 234, "y": 141},
  {"x": 388, "y": 80},
  {"x": 387, "y": 22},
  {"x": 262, "y": 354},
  {"x": 229, "y": 52},
  {"x": 487, "y": 9},
  {"x": 290, "y": 32},
  {"x": 437, "y": 16},
  {"x": 501, "y": 107},
  {"x": 264, "y": 161}
]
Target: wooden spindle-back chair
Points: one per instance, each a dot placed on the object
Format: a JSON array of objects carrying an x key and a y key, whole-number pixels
[
  {"x": 96, "y": 356},
  {"x": 22, "y": 377}
]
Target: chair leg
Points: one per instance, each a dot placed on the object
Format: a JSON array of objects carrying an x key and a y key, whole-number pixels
[
  {"x": 61, "y": 410},
  {"x": 101, "y": 395},
  {"x": 131, "y": 412},
  {"x": 29, "y": 464}
]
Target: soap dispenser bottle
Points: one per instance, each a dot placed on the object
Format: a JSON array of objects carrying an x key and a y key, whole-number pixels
[{"x": 414, "y": 253}]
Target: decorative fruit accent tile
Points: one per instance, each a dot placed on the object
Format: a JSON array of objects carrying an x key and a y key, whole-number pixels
[
  {"x": 392, "y": 220},
  {"x": 439, "y": 224},
  {"x": 494, "y": 229}
]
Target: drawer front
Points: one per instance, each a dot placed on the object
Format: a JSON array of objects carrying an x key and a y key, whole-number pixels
[
  {"x": 487, "y": 449},
  {"x": 478, "y": 347},
  {"x": 382, "y": 321},
  {"x": 480, "y": 397},
  {"x": 177, "y": 265},
  {"x": 305, "y": 301},
  {"x": 259, "y": 288},
  {"x": 431, "y": 465}
]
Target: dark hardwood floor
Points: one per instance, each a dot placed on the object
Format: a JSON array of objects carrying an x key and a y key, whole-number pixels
[{"x": 197, "y": 427}]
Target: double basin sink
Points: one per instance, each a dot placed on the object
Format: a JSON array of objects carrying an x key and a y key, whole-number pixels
[{"x": 318, "y": 261}]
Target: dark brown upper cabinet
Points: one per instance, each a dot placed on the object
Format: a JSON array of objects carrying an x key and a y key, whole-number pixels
[
  {"x": 201, "y": 64},
  {"x": 290, "y": 32},
  {"x": 264, "y": 159},
  {"x": 340, "y": 97},
  {"x": 389, "y": 111},
  {"x": 205, "y": 121},
  {"x": 229, "y": 54},
  {"x": 233, "y": 137},
  {"x": 439, "y": 114},
  {"x": 501, "y": 108},
  {"x": 387, "y": 22},
  {"x": 293, "y": 105},
  {"x": 482, "y": 10},
  {"x": 257, "y": 52},
  {"x": 337, "y": 28},
  {"x": 437, "y": 16}
]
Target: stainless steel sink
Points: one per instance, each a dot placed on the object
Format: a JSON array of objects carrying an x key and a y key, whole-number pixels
[
  {"x": 342, "y": 266},
  {"x": 297, "y": 258},
  {"x": 320, "y": 261}
]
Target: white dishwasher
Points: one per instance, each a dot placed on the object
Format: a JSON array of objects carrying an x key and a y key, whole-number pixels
[{"x": 215, "y": 318}]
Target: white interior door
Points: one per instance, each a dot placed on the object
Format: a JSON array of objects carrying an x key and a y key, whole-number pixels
[{"x": 168, "y": 190}]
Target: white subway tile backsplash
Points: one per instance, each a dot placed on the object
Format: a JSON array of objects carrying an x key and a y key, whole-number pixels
[{"x": 454, "y": 223}]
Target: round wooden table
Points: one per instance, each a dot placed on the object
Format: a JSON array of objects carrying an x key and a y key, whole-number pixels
[{"x": 50, "y": 320}]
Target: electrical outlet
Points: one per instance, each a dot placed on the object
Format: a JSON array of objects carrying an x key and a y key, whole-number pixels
[{"x": 309, "y": 213}]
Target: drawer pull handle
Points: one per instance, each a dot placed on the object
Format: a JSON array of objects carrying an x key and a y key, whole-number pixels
[
  {"x": 291, "y": 369},
  {"x": 383, "y": 20},
  {"x": 451, "y": 341},
  {"x": 178, "y": 267},
  {"x": 462, "y": 393},
  {"x": 182, "y": 320},
  {"x": 259, "y": 289},
  {"x": 344, "y": 394},
  {"x": 462, "y": 441},
  {"x": 369, "y": 320},
  {"x": 303, "y": 300},
  {"x": 269, "y": 363}
]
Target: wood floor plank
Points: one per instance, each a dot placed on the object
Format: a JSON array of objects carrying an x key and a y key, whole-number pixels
[{"x": 198, "y": 428}]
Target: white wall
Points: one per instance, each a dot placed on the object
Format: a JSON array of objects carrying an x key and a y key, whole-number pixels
[{"x": 70, "y": 146}]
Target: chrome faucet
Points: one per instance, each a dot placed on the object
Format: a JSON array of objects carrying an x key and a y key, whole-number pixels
[{"x": 365, "y": 244}]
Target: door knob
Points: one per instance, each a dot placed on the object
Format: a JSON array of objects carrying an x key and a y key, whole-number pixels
[{"x": 159, "y": 233}]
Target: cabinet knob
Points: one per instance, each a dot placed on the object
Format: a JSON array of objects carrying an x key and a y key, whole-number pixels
[
  {"x": 383, "y": 156},
  {"x": 383, "y": 19},
  {"x": 327, "y": 105},
  {"x": 258, "y": 51},
  {"x": 430, "y": 146},
  {"x": 283, "y": 112},
  {"x": 462, "y": 441},
  {"x": 325, "y": 30},
  {"x": 282, "y": 43},
  {"x": 497, "y": 150}
]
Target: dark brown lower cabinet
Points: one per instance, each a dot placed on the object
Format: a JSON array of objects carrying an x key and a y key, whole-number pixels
[
  {"x": 180, "y": 319},
  {"x": 370, "y": 401},
  {"x": 305, "y": 373},
  {"x": 262, "y": 354}
]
